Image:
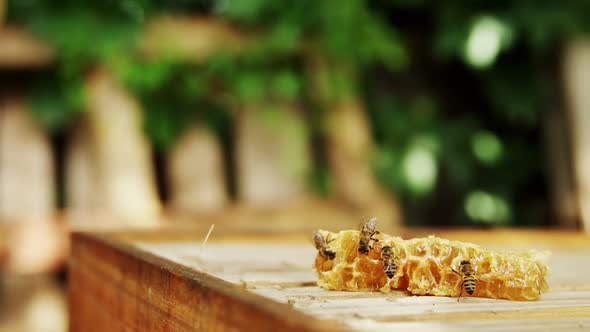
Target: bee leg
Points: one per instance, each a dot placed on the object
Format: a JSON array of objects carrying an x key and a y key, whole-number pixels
[
  {"x": 330, "y": 254},
  {"x": 460, "y": 289},
  {"x": 375, "y": 233}
]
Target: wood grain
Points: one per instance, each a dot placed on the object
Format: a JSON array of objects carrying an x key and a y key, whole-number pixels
[
  {"x": 117, "y": 287},
  {"x": 133, "y": 281}
]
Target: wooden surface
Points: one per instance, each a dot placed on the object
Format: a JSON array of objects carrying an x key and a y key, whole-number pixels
[
  {"x": 116, "y": 287},
  {"x": 145, "y": 281},
  {"x": 19, "y": 49}
]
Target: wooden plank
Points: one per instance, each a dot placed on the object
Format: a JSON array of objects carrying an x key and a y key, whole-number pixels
[
  {"x": 26, "y": 165},
  {"x": 81, "y": 174},
  {"x": 273, "y": 159},
  {"x": 498, "y": 325},
  {"x": 2, "y": 12},
  {"x": 27, "y": 191},
  {"x": 125, "y": 177},
  {"x": 291, "y": 262},
  {"x": 193, "y": 39},
  {"x": 136, "y": 290},
  {"x": 285, "y": 276},
  {"x": 576, "y": 73},
  {"x": 18, "y": 49},
  {"x": 560, "y": 169},
  {"x": 196, "y": 173}
]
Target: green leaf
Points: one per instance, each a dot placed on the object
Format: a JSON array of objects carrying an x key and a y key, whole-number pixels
[
  {"x": 285, "y": 85},
  {"x": 250, "y": 87}
]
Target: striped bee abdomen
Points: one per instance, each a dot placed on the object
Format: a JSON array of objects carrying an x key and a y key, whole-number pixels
[
  {"x": 389, "y": 266},
  {"x": 469, "y": 284},
  {"x": 390, "y": 269},
  {"x": 468, "y": 278}
]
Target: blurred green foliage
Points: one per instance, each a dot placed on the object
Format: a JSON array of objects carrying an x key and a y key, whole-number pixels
[{"x": 455, "y": 90}]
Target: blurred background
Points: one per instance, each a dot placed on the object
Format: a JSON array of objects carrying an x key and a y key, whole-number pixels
[{"x": 282, "y": 114}]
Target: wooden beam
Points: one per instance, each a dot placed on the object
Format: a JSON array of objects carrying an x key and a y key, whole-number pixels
[
  {"x": 2, "y": 12},
  {"x": 27, "y": 179},
  {"x": 19, "y": 49},
  {"x": 561, "y": 180},
  {"x": 123, "y": 281},
  {"x": 81, "y": 172},
  {"x": 114, "y": 286},
  {"x": 187, "y": 38},
  {"x": 576, "y": 75},
  {"x": 273, "y": 156},
  {"x": 195, "y": 173},
  {"x": 190, "y": 38},
  {"x": 126, "y": 184}
]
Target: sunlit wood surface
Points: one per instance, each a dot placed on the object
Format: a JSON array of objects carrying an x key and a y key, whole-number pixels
[{"x": 264, "y": 282}]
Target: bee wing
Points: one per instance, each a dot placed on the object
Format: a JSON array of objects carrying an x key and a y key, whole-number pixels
[
  {"x": 329, "y": 238},
  {"x": 317, "y": 238},
  {"x": 372, "y": 225},
  {"x": 315, "y": 234},
  {"x": 361, "y": 225}
]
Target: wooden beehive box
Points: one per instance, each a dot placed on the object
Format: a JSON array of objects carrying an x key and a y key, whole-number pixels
[{"x": 162, "y": 281}]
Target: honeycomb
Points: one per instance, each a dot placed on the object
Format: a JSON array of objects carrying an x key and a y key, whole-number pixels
[{"x": 425, "y": 267}]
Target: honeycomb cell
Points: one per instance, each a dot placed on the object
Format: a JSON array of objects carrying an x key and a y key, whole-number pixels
[{"x": 425, "y": 267}]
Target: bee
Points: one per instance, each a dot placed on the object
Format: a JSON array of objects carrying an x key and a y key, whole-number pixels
[
  {"x": 322, "y": 245},
  {"x": 367, "y": 232},
  {"x": 389, "y": 265},
  {"x": 469, "y": 280}
]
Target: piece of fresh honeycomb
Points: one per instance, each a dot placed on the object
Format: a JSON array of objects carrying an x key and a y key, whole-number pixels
[{"x": 425, "y": 267}]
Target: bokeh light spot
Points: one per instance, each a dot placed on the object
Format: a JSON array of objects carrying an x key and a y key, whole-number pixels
[
  {"x": 420, "y": 169},
  {"x": 487, "y": 207},
  {"x": 487, "y": 37},
  {"x": 486, "y": 147}
]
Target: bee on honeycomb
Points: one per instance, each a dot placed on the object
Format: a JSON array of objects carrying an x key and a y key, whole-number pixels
[{"x": 425, "y": 266}]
